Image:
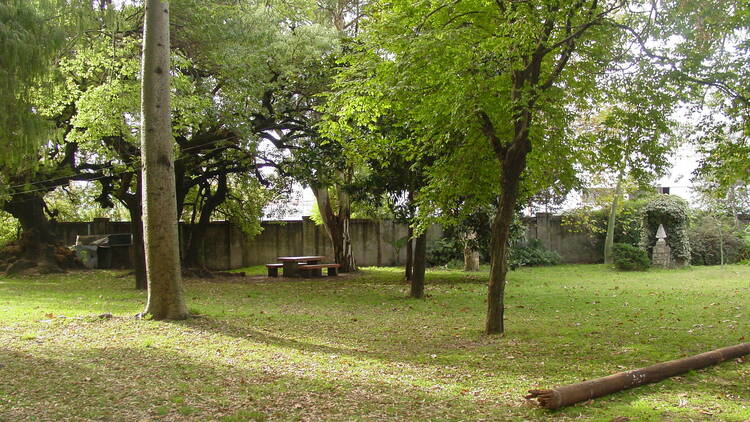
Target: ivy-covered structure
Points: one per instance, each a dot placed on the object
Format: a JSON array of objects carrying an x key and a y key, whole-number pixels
[{"x": 672, "y": 212}]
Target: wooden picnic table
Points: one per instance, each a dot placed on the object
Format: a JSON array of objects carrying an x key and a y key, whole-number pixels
[{"x": 291, "y": 263}]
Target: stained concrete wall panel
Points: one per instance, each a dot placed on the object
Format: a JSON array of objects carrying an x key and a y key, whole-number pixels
[
  {"x": 295, "y": 239},
  {"x": 235, "y": 246},
  {"x": 358, "y": 232},
  {"x": 263, "y": 248},
  {"x": 216, "y": 246},
  {"x": 399, "y": 231},
  {"x": 367, "y": 242},
  {"x": 308, "y": 236},
  {"x": 572, "y": 247}
]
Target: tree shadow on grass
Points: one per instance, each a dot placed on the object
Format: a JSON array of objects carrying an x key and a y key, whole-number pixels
[
  {"x": 389, "y": 276},
  {"x": 637, "y": 403},
  {"x": 154, "y": 383},
  {"x": 158, "y": 384}
]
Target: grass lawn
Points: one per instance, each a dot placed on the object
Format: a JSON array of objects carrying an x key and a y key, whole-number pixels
[{"x": 355, "y": 348}]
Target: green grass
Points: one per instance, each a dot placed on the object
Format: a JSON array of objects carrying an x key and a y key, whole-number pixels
[
  {"x": 355, "y": 348},
  {"x": 255, "y": 270}
]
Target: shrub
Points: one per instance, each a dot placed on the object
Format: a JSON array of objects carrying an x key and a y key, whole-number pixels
[
  {"x": 709, "y": 235},
  {"x": 630, "y": 258},
  {"x": 672, "y": 212},
  {"x": 9, "y": 228},
  {"x": 449, "y": 250},
  {"x": 444, "y": 251},
  {"x": 593, "y": 222},
  {"x": 532, "y": 254}
]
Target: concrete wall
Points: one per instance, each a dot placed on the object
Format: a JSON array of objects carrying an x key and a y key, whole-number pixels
[
  {"x": 572, "y": 247},
  {"x": 227, "y": 247},
  {"x": 371, "y": 241}
]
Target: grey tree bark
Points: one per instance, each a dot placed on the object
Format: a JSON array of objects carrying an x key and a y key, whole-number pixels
[
  {"x": 165, "y": 292},
  {"x": 337, "y": 226},
  {"x": 417, "y": 277},
  {"x": 409, "y": 266},
  {"x": 609, "y": 241}
]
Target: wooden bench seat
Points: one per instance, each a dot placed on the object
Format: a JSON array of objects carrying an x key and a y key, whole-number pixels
[
  {"x": 273, "y": 269},
  {"x": 316, "y": 270}
]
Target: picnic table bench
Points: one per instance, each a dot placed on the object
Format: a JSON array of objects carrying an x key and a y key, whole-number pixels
[
  {"x": 316, "y": 270},
  {"x": 302, "y": 266},
  {"x": 273, "y": 269}
]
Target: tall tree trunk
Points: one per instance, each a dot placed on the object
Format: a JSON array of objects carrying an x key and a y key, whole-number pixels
[
  {"x": 28, "y": 209},
  {"x": 721, "y": 238},
  {"x": 337, "y": 227},
  {"x": 499, "y": 264},
  {"x": 409, "y": 267},
  {"x": 37, "y": 238},
  {"x": 513, "y": 164},
  {"x": 609, "y": 241},
  {"x": 139, "y": 253},
  {"x": 344, "y": 217},
  {"x": 732, "y": 200},
  {"x": 134, "y": 203},
  {"x": 420, "y": 257},
  {"x": 409, "y": 270},
  {"x": 165, "y": 291}
]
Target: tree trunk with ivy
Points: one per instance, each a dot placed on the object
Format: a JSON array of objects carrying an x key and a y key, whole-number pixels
[{"x": 337, "y": 225}]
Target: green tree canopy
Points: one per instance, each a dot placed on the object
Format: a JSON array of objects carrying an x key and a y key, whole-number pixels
[
  {"x": 492, "y": 89},
  {"x": 29, "y": 43}
]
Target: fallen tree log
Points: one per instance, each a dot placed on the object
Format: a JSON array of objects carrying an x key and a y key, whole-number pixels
[{"x": 587, "y": 390}]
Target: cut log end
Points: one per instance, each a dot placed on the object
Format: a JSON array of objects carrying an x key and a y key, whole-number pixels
[{"x": 548, "y": 399}]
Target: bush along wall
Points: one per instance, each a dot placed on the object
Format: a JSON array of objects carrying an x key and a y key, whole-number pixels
[
  {"x": 672, "y": 212},
  {"x": 715, "y": 240},
  {"x": 630, "y": 258},
  {"x": 594, "y": 223},
  {"x": 532, "y": 254}
]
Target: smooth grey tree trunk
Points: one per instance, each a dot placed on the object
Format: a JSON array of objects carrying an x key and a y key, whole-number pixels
[
  {"x": 165, "y": 292},
  {"x": 609, "y": 241},
  {"x": 409, "y": 266}
]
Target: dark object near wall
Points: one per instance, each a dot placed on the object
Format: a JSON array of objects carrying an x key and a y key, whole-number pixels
[
  {"x": 111, "y": 251},
  {"x": 711, "y": 237},
  {"x": 582, "y": 391}
]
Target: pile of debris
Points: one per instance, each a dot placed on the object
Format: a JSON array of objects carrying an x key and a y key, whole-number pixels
[{"x": 24, "y": 256}]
